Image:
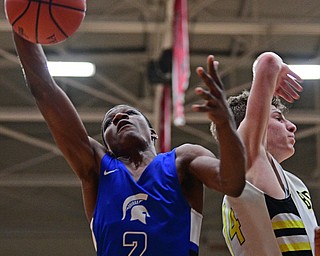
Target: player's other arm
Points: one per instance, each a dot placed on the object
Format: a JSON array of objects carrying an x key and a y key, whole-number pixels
[{"x": 228, "y": 174}]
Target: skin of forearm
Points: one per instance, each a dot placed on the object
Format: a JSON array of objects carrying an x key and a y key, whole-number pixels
[{"x": 233, "y": 160}]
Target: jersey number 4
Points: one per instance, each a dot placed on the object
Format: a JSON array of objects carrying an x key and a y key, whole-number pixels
[{"x": 235, "y": 227}]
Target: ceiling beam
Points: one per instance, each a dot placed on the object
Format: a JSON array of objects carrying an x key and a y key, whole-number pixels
[
  {"x": 95, "y": 115},
  {"x": 29, "y": 139},
  {"x": 37, "y": 181},
  {"x": 230, "y": 27}
]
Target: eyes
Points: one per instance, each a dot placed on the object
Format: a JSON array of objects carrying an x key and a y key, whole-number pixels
[
  {"x": 132, "y": 112},
  {"x": 279, "y": 117},
  {"x": 110, "y": 118}
]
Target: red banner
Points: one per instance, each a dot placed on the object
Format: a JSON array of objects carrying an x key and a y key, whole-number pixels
[
  {"x": 165, "y": 120},
  {"x": 180, "y": 60}
]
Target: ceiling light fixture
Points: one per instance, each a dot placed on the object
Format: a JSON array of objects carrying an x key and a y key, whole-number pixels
[
  {"x": 307, "y": 72},
  {"x": 71, "y": 69}
]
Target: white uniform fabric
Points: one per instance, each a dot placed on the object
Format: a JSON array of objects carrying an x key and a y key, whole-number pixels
[{"x": 256, "y": 224}]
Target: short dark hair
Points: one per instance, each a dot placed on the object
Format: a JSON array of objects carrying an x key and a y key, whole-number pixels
[{"x": 238, "y": 106}]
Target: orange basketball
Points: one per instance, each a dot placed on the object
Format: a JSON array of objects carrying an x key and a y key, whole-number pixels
[{"x": 45, "y": 21}]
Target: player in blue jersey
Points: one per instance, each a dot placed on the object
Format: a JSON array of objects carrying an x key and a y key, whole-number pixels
[
  {"x": 139, "y": 202},
  {"x": 274, "y": 214}
]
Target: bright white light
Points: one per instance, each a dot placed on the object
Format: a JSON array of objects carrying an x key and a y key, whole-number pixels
[
  {"x": 307, "y": 72},
  {"x": 71, "y": 69}
]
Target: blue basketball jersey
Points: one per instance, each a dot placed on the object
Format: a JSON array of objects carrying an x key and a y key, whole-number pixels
[{"x": 145, "y": 217}]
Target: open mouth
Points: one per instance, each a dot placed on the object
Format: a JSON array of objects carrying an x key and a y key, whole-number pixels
[{"x": 122, "y": 124}]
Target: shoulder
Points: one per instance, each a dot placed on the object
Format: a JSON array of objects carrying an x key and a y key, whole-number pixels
[
  {"x": 187, "y": 154},
  {"x": 293, "y": 177},
  {"x": 192, "y": 150},
  {"x": 98, "y": 148}
]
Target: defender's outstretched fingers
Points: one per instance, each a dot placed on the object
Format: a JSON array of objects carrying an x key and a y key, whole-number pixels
[
  {"x": 288, "y": 88},
  {"x": 294, "y": 83},
  {"x": 295, "y": 75},
  {"x": 292, "y": 78},
  {"x": 284, "y": 94}
]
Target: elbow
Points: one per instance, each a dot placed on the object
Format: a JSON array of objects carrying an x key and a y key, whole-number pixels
[
  {"x": 235, "y": 186},
  {"x": 236, "y": 191},
  {"x": 268, "y": 61}
]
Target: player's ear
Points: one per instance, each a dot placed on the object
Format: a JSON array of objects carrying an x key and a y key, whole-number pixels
[{"x": 154, "y": 135}]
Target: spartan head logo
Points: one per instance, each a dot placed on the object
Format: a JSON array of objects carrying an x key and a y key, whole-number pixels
[{"x": 137, "y": 211}]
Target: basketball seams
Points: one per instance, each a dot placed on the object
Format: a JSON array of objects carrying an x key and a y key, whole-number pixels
[
  {"x": 37, "y": 22},
  {"x": 45, "y": 21},
  {"x": 68, "y": 7},
  {"x": 21, "y": 15},
  {"x": 54, "y": 20},
  {"x": 59, "y": 5}
]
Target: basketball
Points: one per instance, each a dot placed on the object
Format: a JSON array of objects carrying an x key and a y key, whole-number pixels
[{"x": 45, "y": 21}]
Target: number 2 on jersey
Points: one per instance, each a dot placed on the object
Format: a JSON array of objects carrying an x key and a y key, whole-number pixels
[{"x": 136, "y": 240}]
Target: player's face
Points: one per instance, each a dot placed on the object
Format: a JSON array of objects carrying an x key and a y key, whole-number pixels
[
  {"x": 126, "y": 129},
  {"x": 280, "y": 135}
]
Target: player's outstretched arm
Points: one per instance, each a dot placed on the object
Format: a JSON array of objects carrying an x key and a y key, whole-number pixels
[
  {"x": 271, "y": 77},
  {"x": 62, "y": 119}
]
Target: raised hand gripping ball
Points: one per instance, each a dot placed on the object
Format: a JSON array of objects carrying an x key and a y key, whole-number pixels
[{"x": 45, "y": 21}]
